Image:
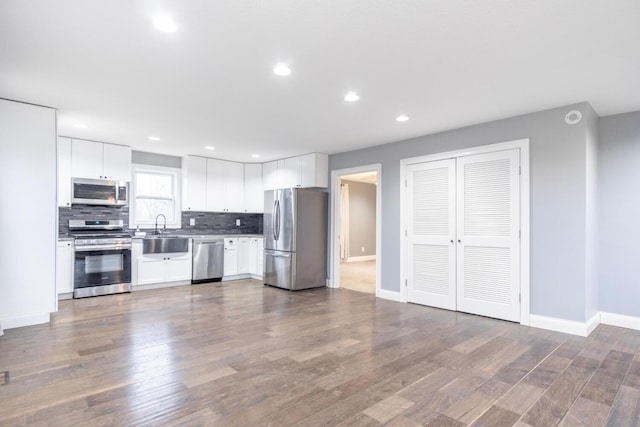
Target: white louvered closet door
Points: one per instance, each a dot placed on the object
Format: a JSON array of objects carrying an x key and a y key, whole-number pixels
[
  {"x": 431, "y": 224},
  {"x": 488, "y": 247}
]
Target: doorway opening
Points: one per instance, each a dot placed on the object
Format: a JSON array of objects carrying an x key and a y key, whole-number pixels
[{"x": 355, "y": 206}]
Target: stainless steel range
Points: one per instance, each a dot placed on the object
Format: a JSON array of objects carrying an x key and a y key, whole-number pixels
[{"x": 102, "y": 262}]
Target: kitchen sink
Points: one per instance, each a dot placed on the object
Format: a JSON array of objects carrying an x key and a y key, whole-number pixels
[{"x": 164, "y": 244}]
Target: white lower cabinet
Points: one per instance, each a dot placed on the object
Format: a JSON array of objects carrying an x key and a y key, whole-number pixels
[
  {"x": 163, "y": 268},
  {"x": 64, "y": 267},
  {"x": 230, "y": 256},
  {"x": 256, "y": 254},
  {"x": 243, "y": 255}
]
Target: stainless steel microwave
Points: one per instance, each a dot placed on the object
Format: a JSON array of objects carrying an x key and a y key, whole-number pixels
[{"x": 99, "y": 192}]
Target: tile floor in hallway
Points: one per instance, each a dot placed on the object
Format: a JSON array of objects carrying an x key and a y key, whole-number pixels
[{"x": 358, "y": 276}]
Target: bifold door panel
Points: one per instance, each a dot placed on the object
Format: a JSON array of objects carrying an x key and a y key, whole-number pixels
[
  {"x": 463, "y": 243},
  {"x": 431, "y": 200}
]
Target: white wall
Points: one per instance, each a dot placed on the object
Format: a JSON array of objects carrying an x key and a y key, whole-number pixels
[{"x": 28, "y": 213}]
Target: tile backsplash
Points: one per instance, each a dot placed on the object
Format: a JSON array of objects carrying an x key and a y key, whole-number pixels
[
  {"x": 90, "y": 212},
  {"x": 221, "y": 223},
  {"x": 205, "y": 222}
]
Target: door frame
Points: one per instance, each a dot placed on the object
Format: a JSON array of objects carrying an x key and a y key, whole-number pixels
[
  {"x": 523, "y": 145},
  {"x": 334, "y": 247}
]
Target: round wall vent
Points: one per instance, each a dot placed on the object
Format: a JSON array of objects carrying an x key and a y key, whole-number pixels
[{"x": 573, "y": 117}]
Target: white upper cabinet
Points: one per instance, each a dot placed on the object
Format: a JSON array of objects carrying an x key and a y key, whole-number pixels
[
  {"x": 215, "y": 186},
  {"x": 117, "y": 162},
  {"x": 270, "y": 175},
  {"x": 90, "y": 159},
  {"x": 234, "y": 186},
  {"x": 194, "y": 183},
  {"x": 314, "y": 170},
  {"x": 310, "y": 170},
  {"x": 64, "y": 171},
  {"x": 86, "y": 159},
  {"x": 225, "y": 186},
  {"x": 253, "y": 193}
]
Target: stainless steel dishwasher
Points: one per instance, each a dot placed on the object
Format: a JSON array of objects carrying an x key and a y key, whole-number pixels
[{"x": 208, "y": 260}]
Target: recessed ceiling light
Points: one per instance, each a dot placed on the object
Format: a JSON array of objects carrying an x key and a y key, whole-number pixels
[
  {"x": 208, "y": 147},
  {"x": 282, "y": 70},
  {"x": 351, "y": 97},
  {"x": 165, "y": 24},
  {"x": 402, "y": 118},
  {"x": 81, "y": 125},
  {"x": 255, "y": 156},
  {"x": 154, "y": 138}
]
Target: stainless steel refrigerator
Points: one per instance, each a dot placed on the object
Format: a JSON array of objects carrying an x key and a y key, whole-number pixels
[{"x": 295, "y": 238}]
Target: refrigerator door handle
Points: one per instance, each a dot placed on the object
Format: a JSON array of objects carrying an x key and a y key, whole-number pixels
[
  {"x": 277, "y": 219},
  {"x": 273, "y": 220},
  {"x": 279, "y": 255}
]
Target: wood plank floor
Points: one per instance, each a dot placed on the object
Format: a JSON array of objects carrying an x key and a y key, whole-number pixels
[{"x": 240, "y": 354}]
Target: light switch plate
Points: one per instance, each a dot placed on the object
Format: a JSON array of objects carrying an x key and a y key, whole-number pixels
[{"x": 192, "y": 221}]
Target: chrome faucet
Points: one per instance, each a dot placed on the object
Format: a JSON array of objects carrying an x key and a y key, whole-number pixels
[{"x": 165, "y": 223}]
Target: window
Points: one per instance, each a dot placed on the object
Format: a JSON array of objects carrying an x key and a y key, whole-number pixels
[{"x": 155, "y": 191}]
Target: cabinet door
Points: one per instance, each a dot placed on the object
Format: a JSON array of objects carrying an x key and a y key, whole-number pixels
[
  {"x": 260, "y": 258},
  {"x": 178, "y": 267},
  {"x": 287, "y": 174},
  {"x": 243, "y": 255},
  {"x": 234, "y": 186},
  {"x": 117, "y": 162},
  {"x": 253, "y": 193},
  {"x": 293, "y": 166},
  {"x": 230, "y": 257},
  {"x": 86, "y": 159},
  {"x": 64, "y": 172},
  {"x": 151, "y": 269},
  {"x": 194, "y": 183},
  {"x": 253, "y": 256},
  {"x": 64, "y": 267},
  {"x": 215, "y": 185},
  {"x": 314, "y": 170},
  {"x": 270, "y": 176}
]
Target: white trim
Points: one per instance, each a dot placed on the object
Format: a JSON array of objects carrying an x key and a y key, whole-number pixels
[
  {"x": 620, "y": 320},
  {"x": 592, "y": 323},
  {"x": 177, "y": 193},
  {"x": 25, "y": 320},
  {"x": 361, "y": 258},
  {"x": 390, "y": 295},
  {"x": 523, "y": 145},
  {"x": 334, "y": 244},
  {"x": 161, "y": 285},
  {"x": 582, "y": 329}
]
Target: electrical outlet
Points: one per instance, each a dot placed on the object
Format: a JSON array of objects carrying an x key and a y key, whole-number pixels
[
  {"x": 363, "y": 249},
  {"x": 192, "y": 221},
  {"x": 237, "y": 223}
]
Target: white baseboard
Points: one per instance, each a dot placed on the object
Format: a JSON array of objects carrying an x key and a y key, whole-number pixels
[
  {"x": 25, "y": 320},
  {"x": 620, "y": 320},
  {"x": 160, "y": 285},
  {"x": 582, "y": 329},
  {"x": 592, "y": 323},
  {"x": 390, "y": 295},
  {"x": 361, "y": 258}
]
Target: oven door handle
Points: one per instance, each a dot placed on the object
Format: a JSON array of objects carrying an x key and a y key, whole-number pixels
[{"x": 125, "y": 246}]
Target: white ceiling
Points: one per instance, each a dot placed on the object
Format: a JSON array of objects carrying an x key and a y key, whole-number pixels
[
  {"x": 446, "y": 64},
  {"x": 365, "y": 177}
]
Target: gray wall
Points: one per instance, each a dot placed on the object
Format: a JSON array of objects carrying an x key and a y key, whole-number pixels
[
  {"x": 619, "y": 181},
  {"x": 558, "y": 200},
  {"x": 144, "y": 158},
  {"x": 362, "y": 218}
]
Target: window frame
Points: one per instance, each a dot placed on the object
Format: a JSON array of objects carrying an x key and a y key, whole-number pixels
[{"x": 157, "y": 170}]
